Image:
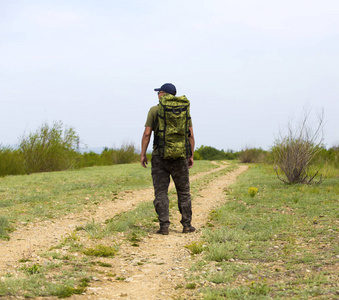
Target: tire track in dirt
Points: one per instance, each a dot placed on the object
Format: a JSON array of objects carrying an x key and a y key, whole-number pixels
[
  {"x": 36, "y": 237},
  {"x": 155, "y": 269}
]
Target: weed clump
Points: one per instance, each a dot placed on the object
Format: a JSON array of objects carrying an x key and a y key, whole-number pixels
[
  {"x": 101, "y": 250},
  {"x": 33, "y": 269},
  {"x": 191, "y": 286},
  {"x": 4, "y": 228},
  {"x": 252, "y": 191},
  {"x": 195, "y": 247},
  {"x": 66, "y": 291}
]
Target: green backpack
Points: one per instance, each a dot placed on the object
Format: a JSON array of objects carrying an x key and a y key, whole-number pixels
[{"x": 172, "y": 134}]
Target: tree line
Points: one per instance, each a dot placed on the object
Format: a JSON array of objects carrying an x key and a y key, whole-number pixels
[{"x": 54, "y": 148}]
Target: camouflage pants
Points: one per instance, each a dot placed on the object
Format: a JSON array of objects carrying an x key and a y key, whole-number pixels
[{"x": 162, "y": 169}]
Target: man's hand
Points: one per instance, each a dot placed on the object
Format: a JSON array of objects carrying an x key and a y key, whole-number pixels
[
  {"x": 144, "y": 144},
  {"x": 192, "y": 144},
  {"x": 144, "y": 161},
  {"x": 190, "y": 162}
]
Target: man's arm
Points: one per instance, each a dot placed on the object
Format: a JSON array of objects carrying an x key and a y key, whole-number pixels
[
  {"x": 192, "y": 143},
  {"x": 144, "y": 144}
]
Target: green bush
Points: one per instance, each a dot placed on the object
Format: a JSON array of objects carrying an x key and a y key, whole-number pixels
[
  {"x": 330, "y": 156},
  {"x": 124, "y": 155},
  {"x": 197, "y": 156},
  {"x": 253, "y": 155},
  {"x": 89, "y": 159},
  {"x": 53, "y": 149},
  {"x": 49, "y": 149},
  {"x": 210, "y": 153},
  {"x": 11, "y": 162}
]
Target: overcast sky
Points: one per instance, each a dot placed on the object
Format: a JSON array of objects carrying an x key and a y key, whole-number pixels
[{"x": 248, "y": 67}]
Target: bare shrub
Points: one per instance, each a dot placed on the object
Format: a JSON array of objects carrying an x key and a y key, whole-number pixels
[{"x": 294, "y": 152}]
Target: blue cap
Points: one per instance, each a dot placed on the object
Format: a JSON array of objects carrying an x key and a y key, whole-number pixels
[{"x": 168, "y": 88}]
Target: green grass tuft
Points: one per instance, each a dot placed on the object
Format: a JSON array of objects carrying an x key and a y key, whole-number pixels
[
  {"x": 101, "y": 250},
  {"x": 4, "y": 228},
  {"x": 191, "y": 286},
  {"x": 196, "y": 247}
]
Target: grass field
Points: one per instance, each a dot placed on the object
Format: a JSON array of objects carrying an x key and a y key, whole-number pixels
[
  {"x": 66, "y": 269},
  {"x": 278, "y": 243},
  {"x": 281, "y": 243},
  {"x": 25, "y": 198}
]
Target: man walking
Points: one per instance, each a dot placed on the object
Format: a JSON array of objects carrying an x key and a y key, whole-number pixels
[{"x": 172, "y": 155}]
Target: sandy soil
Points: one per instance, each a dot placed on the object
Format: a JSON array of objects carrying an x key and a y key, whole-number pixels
[{"x": 151, "y": 271}]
